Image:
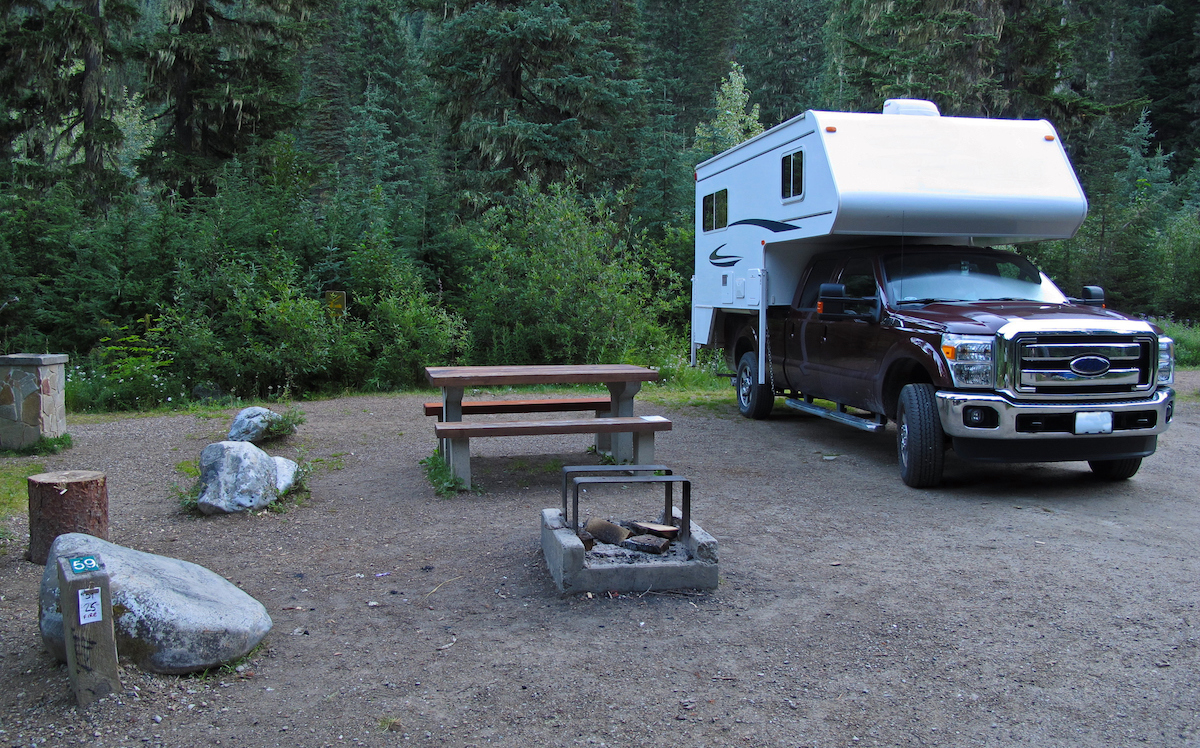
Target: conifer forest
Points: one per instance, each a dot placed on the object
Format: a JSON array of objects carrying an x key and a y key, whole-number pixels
[{"x": 183, "y": 183}]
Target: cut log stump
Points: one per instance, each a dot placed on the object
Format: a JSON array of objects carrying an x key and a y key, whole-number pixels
[{"x": 67, "y": 501}]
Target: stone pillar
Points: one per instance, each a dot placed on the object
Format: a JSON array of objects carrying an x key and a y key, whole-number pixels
[{"x": 32, "y": 398}]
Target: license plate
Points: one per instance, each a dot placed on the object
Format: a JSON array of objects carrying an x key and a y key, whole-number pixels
[{"x": 1093, "y": 423}]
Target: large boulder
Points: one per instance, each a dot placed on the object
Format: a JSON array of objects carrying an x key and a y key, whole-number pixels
[
  {"x": 252, "y": 424},
  {"x": 236, "y": 477},
  {"x": 169, "y": 616}
]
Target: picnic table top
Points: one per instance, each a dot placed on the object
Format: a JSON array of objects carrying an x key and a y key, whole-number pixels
[{"x": 482, "y": 376}]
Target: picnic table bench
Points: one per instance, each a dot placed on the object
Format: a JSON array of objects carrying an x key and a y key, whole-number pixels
[{"x": 631, "y": 438}]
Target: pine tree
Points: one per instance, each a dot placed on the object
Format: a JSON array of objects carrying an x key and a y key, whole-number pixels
[
  {"x": 783, "y": 52},
  {"x": 944, "y": 50},
  {"x": 55, "y": 112},
  {"x": 527, "y": 90},
  {"x": 689, "y": 46},
  {"x": 226, "y": 75}
]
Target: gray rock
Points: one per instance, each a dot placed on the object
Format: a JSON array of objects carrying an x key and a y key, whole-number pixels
[
  {"x": 285, "y": 474},
  {"x": 251, "y": 424},
  {"x": 169, "y": 616},
  {"x": 236, "y": 477}
]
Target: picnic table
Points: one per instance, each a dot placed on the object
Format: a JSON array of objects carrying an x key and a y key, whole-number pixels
[{"x": 622, "y": 380}]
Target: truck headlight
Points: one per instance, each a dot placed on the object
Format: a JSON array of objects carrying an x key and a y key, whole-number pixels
[
  {"x": 1166, "y": 360},
  {"x": 970, "y": 359}
]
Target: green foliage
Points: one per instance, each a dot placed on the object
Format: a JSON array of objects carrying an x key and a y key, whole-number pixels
[
  {"x": 441, "y": 476},
  {"x": 1187, "y": 340},
  {"x": 287, "y": 423},
  {"x": 563, "y": 282},
  {"x": 731, "y": 124},
  {"x": 14, "y": 489}
]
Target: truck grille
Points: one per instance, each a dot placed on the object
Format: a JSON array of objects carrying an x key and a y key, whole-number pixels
[{"x": 1083, "y": 364}]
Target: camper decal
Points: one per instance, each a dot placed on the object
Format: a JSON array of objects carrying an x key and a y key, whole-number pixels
[
  {"x": 723, "y": 261},
  {"x": 775, "y": 226}
]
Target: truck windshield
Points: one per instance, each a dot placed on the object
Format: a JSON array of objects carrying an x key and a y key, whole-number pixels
[{"x": 923, "y": 277}]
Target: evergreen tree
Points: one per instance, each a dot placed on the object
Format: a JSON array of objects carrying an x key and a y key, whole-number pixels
[
  {"x": 1170, "y": 54},
  {"x": 689, "y": 46},
  {"x": 783, "y": 52},
  {"x": 226, "y": 76},
  {"x": 527, "y": 90},
  {"x": 55, "y": 111},
  {"x": 944, "y": 50}
]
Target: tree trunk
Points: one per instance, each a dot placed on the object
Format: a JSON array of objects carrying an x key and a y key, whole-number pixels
[{"x": 68, "y": 501}]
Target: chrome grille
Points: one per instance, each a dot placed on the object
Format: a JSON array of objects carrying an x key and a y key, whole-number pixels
[{"x": 1043, "y": 364}]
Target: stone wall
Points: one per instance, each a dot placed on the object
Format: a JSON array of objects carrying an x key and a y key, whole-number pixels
[{"x": 32, "y": 398}]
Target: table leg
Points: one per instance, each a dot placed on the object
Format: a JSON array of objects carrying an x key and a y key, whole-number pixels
[
  {"x": 451, "y": 411},
  {"x": 622, "y": 407}
]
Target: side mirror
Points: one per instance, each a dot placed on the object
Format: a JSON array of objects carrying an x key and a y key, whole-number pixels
[
  {"x": 834, "y": 304},
  {"x": 831, "y": 300},
  {"x": 1093, "y": 296}
]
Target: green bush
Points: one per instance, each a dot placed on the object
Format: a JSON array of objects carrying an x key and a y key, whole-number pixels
[{"x": 563, "y": 282}]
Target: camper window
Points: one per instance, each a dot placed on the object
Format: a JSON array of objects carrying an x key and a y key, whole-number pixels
[
  {"x": 793, "y": 175},
  {"x": 716, "y": 210}
]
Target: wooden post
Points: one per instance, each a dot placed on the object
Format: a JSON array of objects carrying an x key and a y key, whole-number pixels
[
  {"x": 86, "y": 603},
  {"x": 69, "y": 501}
]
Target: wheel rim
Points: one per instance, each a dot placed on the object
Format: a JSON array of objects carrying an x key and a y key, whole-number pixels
[
  {"x": 902, "y": 428},
  {"x": 744, "y": 385}
]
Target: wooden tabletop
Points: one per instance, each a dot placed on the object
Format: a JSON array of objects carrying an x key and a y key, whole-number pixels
[{"x": 483, "y": 376}]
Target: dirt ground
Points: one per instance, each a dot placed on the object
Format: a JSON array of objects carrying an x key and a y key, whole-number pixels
[{"x": 1022, "y": 604}]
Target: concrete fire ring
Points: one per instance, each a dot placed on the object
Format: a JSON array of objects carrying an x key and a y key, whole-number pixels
[{"x": 691, "y": 563}]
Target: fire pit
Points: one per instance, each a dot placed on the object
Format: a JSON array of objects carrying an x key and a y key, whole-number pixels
[{"x": 671, "y": 552}]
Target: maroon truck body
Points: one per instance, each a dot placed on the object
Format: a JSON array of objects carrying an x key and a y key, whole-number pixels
[{"x": 964, "y": 348}]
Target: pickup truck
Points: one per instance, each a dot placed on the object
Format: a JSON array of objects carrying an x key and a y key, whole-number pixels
[
  {"x": 865, "y": 245},
  {"x": 969, "y": 348}
]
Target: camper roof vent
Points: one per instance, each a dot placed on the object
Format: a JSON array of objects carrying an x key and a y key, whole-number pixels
[{"x": 919, "y": 107}]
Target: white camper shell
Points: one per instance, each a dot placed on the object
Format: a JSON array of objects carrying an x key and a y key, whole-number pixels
[{"x": 827, "y": 179}]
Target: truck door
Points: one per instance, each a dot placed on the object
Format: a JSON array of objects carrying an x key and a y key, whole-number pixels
[
  {"x": 803, "y": 332},
  {"x": 850, "y": 351}
]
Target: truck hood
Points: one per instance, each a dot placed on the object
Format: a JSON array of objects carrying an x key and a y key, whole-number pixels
[{"x": 987, "y": 317}]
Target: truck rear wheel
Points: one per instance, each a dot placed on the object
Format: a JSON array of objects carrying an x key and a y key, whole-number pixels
[
  {"x": 920, "y": 442},
  {"x": 1115, "y": 469},
  {"x": 754, "y": 400}
]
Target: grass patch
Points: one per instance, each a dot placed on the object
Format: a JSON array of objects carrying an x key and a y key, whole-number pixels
[
  {"x": 14, "y": 490},
  {"x": 439, "y": 474},
  {"x": 44, "y": 446}
]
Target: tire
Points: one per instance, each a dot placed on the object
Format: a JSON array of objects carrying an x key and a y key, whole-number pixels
[
  {"x": 1115, "y": 469},
  {"x": 754, "y": 400},
  {"x": 920, "y": 442}
]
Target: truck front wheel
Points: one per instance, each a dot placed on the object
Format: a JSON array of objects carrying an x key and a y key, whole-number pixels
[
  {"x": 1115, "y": 469},
  {"x": 920, "y": 442},
  {"x": 754, "y": 400}
]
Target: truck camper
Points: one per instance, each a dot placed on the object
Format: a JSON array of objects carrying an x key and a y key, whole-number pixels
[{"x": 851, "y": 258}]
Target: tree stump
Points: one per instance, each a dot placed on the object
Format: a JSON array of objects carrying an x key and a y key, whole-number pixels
[{"x": 68, "y": 501}]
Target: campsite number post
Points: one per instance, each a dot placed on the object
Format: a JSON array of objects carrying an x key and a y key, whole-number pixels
[{"x": 86, "y": 603}]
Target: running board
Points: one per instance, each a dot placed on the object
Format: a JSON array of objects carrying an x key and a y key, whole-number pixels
[{"x": 873, "y": 424}]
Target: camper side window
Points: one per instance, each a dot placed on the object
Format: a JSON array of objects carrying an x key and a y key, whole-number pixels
[
  {"x": 792, "y": 171},
  {"x": 716, "y": 210}
]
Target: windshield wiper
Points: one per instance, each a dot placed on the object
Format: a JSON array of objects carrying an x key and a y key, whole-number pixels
[
  {"x": 1006, "y": 298},
  {"x": 923, "y": 302}
]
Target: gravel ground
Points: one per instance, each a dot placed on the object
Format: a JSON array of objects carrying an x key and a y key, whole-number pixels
[{"x": 1015, "y": 605}]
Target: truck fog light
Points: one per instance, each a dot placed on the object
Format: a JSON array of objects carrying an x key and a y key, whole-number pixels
[
  {"x": 1170, "y": 410},
  {"x": 980, "y": 417}
]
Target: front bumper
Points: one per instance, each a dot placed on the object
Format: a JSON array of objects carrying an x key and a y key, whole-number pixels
[
  {"x": 1014, "y": 419},
  {"x": 1043, "y": 432}
]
